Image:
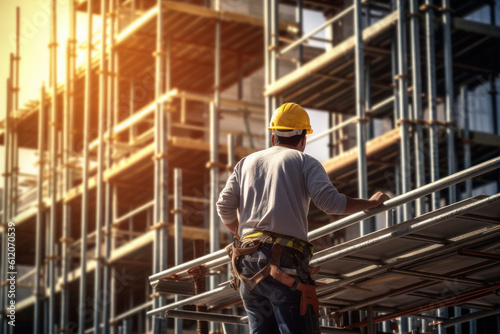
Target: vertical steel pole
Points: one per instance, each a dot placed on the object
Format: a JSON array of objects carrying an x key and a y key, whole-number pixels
[
  {"x": 14, "y": 133},
  {"x": 493, "y": 89},
  {"x": 10, "y": 140},
  {"x": 168, "y": 84},
  {"x": 6, "y": 144},
  {"x": 37, "y": 323},
  {"x": 214, "y": 184},
  {"x": 3, "y": 319},
  {"x": 11, "y": 194},
  {"x": 403, "y": 107},
  {"x": 160, "y": 255},
  {"x": 178, "y": 246},
  {"x": 100, "y": 172},
  {"x": 299, "y": 14},
  {"x": 16, "y": 84},
  {"x": 114, "y": 201},
  {"x": 442, "y": 313},
  {"x": 231, "y": 161},
  {"x": 369, "y": 320},
  {"x": 214, "y": 149},
  {"x": 360, "y": 102},
  {"x": 68, "y": 125},
  {"x": 417, "y": 103},
  {"x": 133, "y": 129},
  {"x": 112, "y": 81},
  {"x": 267, "y": 68},
  {"x": 53, "y": 167},
  {"x": 368, "y": 225},
  {"x": 275, "y": 18},
  {"x": 85, "y": 176},
  {"x": 431, "y": 93},
  {"x": 11, "y": 213},
  {"x": 368, "y": 101},
  {"x": 466, "y": 134},
  {"x": 457, "y": 313},
  {"x": 46, "y": 323},
  {"x": 449, "y": 98}
]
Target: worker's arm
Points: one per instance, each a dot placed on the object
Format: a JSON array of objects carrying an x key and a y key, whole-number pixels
[
  {"x": 229, "y": 201},
  {"x": 354, "y": 205}
]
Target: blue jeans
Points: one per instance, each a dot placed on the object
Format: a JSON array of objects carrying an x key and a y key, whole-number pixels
[{"x": 273, "y": 307}]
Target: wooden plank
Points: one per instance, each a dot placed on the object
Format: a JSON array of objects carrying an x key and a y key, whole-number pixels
[
  {"x": 212, "y": 14},
  {"x": 315, "y": 65}
]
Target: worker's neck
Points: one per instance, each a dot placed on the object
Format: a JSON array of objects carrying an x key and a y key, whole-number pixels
[{"x": 298, "y": 147}]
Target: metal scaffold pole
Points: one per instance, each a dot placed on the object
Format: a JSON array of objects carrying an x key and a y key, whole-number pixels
[
  {"x": 177, "y": 211},
  {"x": 37, "y": 321},
  {"x": 299, "y": 14},
  {"x": 431, "y": 97},
  {"x": 466, "y": 135},
  {"x": 449, "y": 98},
  {"x": 68, "y": 125},
  {"x": 214, "y": 149},
  {"x": 108, "y": 214},
  {"x": 160, "y": 255},
  {"x": 417, "y": 103},
  {"x": 53, "y": 166},
  {"x": 403, "y": 120},
  {"x": 3, "y": 255},
  {"x": 274, "y": 63},
  {"x": 15, "y": 87},
  {"x": 85, "y": 177},
  {"x": 360, "y": 104},
  {"x": 98, "y": 294},
  {"x": 9, "y": 170},
  {"x": 267, "y": 66}
]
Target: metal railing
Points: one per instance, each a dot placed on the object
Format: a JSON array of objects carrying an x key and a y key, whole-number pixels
[{"x": 219, "y": 258}]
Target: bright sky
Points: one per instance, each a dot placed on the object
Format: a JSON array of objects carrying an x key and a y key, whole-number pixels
[{"x": 34, "y": 37}]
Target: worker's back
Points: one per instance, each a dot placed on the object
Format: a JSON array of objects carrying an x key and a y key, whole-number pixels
[{"x": 275, "y": 186}]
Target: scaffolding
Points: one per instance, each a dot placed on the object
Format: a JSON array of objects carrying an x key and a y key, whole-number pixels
[{"x": 134, "y": 146}]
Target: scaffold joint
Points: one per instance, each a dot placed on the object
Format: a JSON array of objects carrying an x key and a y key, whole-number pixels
[
  {"x": 426, "y": 6},
  {"x": 159, "y": 225},
  {"x": 158, "y": 53},
  {"x": 401, "y": 76},
  {"x": 154, "y": 295},
  {"x": 159, "y": 156},
  {"x": 66, "y": 240},
  {"x": 174, "y": 211},
  {"x": 404, "y": 121}
]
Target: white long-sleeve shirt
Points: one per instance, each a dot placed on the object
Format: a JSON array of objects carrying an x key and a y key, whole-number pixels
[{"x": 270, "y": 190}]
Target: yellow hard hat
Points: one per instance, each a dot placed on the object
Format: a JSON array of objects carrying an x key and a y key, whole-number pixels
[{"x": 290, "y": 116}]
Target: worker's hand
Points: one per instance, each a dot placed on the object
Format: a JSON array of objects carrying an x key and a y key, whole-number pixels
[{"x": 378, "y": 198}]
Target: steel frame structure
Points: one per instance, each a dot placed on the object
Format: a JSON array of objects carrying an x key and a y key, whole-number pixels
[{"x": 109, "y": 171}]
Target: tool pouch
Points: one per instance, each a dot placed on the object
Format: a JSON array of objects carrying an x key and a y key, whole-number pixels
[
  {"x": 235, "y": 281},
  {"x": 309, "y": 297}
]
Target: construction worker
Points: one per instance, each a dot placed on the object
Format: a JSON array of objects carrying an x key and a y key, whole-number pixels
[{"x": 265, "y": 204}]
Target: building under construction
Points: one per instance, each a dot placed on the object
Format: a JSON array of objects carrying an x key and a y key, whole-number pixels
[{"x": 117, "y": 232}]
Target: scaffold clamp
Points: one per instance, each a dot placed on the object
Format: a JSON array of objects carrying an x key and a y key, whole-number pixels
[{"x": 159, "y": 225}]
